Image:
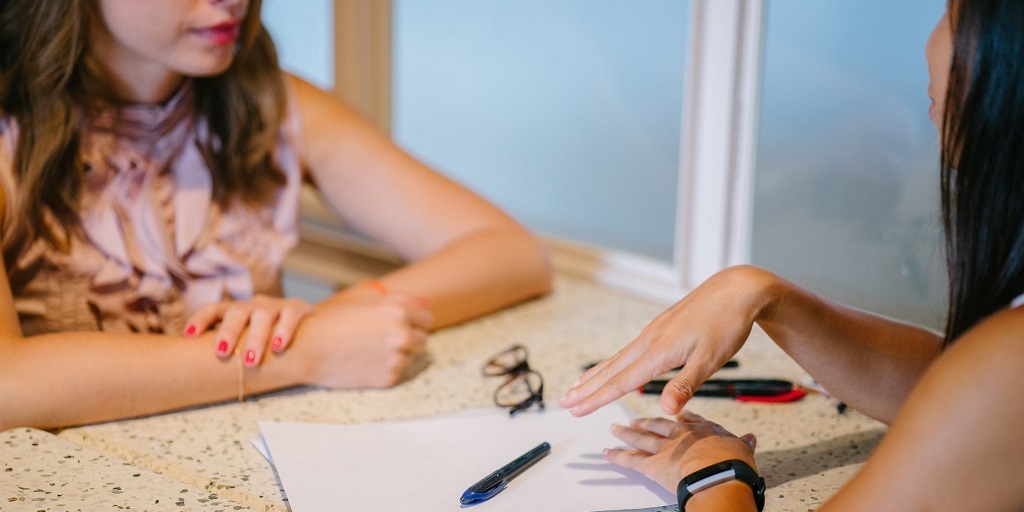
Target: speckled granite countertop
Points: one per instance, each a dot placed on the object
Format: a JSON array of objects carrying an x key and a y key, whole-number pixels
[
  {"x": 806, "y": 450},
  {"x": 41, "y": 471}
]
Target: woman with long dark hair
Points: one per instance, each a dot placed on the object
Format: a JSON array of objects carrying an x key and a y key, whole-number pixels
[
  {"x": 955, "y": 402},
  {"x": 151, "y": 160}
]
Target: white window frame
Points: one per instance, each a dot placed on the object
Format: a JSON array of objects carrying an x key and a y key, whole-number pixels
[
  {"x": 717, "y": 154},
  {"x": 719, "y": 146},
  {"x": 717, "y": 151}
]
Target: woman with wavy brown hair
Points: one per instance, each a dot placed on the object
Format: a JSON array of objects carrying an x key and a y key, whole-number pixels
[
  {"x": 151, "y": 158},
  {"x": 955, "y": 402}
]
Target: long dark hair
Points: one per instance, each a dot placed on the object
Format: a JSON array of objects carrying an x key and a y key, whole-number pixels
[
  {"x": 983, "y": 161},
  {"x": 45, "y": 77}
]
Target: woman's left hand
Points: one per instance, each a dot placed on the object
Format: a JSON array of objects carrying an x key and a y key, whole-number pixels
[
  {"x": 264, "y": 320},
  {"x": 667, "y": 451}
]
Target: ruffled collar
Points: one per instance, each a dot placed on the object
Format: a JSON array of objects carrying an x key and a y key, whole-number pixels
[{"x": 154, "y": 129}]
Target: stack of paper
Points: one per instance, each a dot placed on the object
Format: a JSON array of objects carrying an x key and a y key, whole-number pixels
[{"x": 426, "y": 464}]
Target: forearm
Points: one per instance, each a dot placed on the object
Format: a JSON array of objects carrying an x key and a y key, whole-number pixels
[
  {"x": 869, "y": 362},
  {"x": 481, "y": 273},
  {"x": 74, "y": 378}
]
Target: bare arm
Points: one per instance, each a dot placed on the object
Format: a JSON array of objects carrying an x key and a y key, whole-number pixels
[
  {"x": 76, "y": 378},
  {"x": 868, "y": 361},
  {"x": 72, "y": 378},
  {"x": 466, "y": 256},
  {"x": 956, "y": 444}
]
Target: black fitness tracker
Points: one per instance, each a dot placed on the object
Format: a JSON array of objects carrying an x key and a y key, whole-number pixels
[{"x": 720, "y": 473}]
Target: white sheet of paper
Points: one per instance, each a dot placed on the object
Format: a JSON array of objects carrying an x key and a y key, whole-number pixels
[
  {"x": 261, "y": 446},
  {"x": 426, "y": 464}
]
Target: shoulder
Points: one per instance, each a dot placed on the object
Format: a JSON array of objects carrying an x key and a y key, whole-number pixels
[
  {"x": 304, "y": 102},
  {"x": 307, "y": 98},
  {"x": 955, "y": 444},
  {"x": 328, "y": 127},
  {"x": 315, "y": 106},
  {"x": 984, "y": 369},
  {"x": 998, "y": 340}
]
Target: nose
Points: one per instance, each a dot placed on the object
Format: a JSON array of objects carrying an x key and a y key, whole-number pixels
[{"x": 236, "y": 7}]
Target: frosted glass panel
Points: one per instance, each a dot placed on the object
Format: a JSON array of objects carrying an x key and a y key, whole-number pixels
[
  {"x": 304, "y": 36},
  {"x": 566, "y": 114},
  {"x": 846, "y": 199}
]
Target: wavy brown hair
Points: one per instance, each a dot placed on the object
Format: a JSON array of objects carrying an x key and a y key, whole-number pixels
[{"x": 45, "y": 79}]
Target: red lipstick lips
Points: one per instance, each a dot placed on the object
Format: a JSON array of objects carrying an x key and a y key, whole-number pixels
[{"x": 224, "y": 33}]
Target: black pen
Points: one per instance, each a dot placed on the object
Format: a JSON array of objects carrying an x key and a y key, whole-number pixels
[
  {"x": 729, "y": 387},
  {"x": 494, "y": 483}
]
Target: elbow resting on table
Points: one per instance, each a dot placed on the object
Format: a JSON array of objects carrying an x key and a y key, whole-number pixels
[
  {"x": 538, "y": 274},
  {"x": 8, "y": 404},
  {"x": 16, "y": 398}
]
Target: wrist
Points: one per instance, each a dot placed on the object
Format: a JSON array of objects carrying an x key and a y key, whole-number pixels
[
  {"x": 704, "y": 484},
  {"x": 763, "y": 290},
  {"x": 734, "y": 496},
  {"x": 769, "y": 290},
  {"x": 367, "y": 288},
  {"x": 297, "y": 365}
]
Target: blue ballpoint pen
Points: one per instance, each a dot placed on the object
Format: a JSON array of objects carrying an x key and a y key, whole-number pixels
[{"x": 495, "y": 482}]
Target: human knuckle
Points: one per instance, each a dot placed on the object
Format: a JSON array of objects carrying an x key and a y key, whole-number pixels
[
  {"x": 618, "y": 383},
  {"x": 390, "y": 374},
  {"x": 605, "y": 373},
  {"x": 207, "y": 309},
  {"x": 398, "y": 339},
  {"x": 683, "y": 385},
  {"x": 236, "y": 309},
  {"x": 261, "y": 314},
  {"x": 650, "y": 367},
  {"x": 647, "y": 332}
]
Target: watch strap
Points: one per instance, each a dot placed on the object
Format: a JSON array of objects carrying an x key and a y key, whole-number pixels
[{"x": 720, "y": 473}]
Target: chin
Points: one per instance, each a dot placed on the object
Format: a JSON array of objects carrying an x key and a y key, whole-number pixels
[{"x": 209, "y": 66}]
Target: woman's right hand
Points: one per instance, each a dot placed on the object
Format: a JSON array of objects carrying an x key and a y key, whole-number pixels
[
  {"x": 700, "y": 332},
  {"x": 361, "y": 340}
]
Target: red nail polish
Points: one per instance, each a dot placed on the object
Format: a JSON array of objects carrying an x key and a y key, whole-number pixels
[
  {"x": 222, "y": 347},
  {"x": 250, "y": 356},
  {"x": 276, "y": 344},
  {"x": 190, "y": 330}
]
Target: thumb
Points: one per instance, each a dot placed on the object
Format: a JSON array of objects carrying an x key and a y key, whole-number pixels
[
  {"x": 750, "y": 440},
  {"x": 680, "y": 389}
]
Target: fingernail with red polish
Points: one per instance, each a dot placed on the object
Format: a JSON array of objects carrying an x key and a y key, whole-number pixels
[
  {"x": 250, "y": 356},
  {"x": 222, "y": 347},
  {"x": 276, "y": 344},
  {"x": 190, "y": 330}
]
